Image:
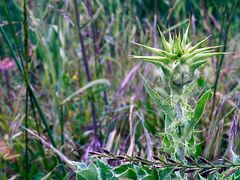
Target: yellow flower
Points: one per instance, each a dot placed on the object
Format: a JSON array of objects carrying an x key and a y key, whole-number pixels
[{"x": 75, "y": 77}]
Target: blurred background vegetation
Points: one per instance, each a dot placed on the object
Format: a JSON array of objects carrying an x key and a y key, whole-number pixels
[{"x": 89, "y": 89}]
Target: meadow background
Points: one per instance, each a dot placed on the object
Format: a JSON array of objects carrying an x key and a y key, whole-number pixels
[{"x": 81, "y": 91}]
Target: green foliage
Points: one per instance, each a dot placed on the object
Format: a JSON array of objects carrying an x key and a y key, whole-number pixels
[
  {"x": 198, "y": 112},
  {"x": 102, "y": 171},
  {"x": 163, "y": 104}
]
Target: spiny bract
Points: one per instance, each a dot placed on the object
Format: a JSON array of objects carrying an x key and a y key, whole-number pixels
[
  {"x": 177, "y": 49},
  {"x": 179, "y": 60}
]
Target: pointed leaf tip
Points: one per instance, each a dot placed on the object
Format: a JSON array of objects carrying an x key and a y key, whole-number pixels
[
  {"x": 198, "y": 44},
  {"x": 166, "y": 44},
  {"x": 154, "y": 50}
]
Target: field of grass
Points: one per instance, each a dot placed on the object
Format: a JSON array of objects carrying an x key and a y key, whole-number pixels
[{"x": 79, "y": 101}]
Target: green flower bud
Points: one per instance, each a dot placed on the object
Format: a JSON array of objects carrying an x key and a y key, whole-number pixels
[{"x": 182, "y": 75}]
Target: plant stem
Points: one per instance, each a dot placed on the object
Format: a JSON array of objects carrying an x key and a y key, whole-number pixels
[
  {"x": 41, "y": 149},
  {"x": 85, "y": 62},
  {"x": 26, "y": 47},
  {"x": 26, "y": 134},
  {"x": 219, "y": 63},
  {"x": 93, "y": 32},
  {"x": 61, "y": 123},
  {"x": 95, "y": 46}
]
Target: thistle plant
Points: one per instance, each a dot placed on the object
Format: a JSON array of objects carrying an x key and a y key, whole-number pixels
[{"x": 180, "y": 63}]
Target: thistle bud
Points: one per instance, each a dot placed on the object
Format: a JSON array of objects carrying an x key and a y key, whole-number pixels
[{"x": 182, "y": 75}]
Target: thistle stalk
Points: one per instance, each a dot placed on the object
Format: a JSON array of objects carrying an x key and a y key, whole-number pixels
[{"x": 180, "y": 63}]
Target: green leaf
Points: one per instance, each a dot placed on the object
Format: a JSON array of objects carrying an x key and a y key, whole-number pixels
[
  {"x": 188, "y": 56},
  {"x": 206, "y": 49},
  {"x": 197, "y": 64},
  {"x": 197, "y": 45},
  {"x": 125, "y": 171},
  {"x": 165, "y": 173},
  {"x": 184, "y": 40},
  {"x": 189, "y": 88},
  {"x": 146, "y": 173},
  {"x": 153, "y": 175},
  {"x": 87, "y": 86},
  {"x": 153, "y": 59},
  {"x": 171, "y": 41},
  {"x": 201, "y": 56},
  {"x": 154, "y": 50},
  {"x": 192, "y": 145},
  {"x": 200, "y": 106},
  {"x": 105, "y": 170},
  {"x": 158, "y": 51},
  {"x": 141, "y": 172},
  {"x": 168, "y": 54},
  {"x": 120, "y": 169},
  {"x": 165, "y": 107},
  {"x": 166, "y": 142},
  {"x": 166, "y": 45},
  {"x": 13, "y": 32},
  {"x": 179, "y": 49},
  {"x": 90, "y": 173}
]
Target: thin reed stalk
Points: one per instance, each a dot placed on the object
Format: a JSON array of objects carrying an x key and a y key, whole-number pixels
[
  {"x": 26, "y": 47},
  {"x": 86, "y": 66},
  {"x": 223, "y": 36}
]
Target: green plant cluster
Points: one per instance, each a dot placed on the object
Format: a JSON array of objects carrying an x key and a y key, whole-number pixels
[{"x": 180, "y": 63}]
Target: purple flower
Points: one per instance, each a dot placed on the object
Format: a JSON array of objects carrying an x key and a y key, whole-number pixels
[{"x": 7, "y": 64}]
